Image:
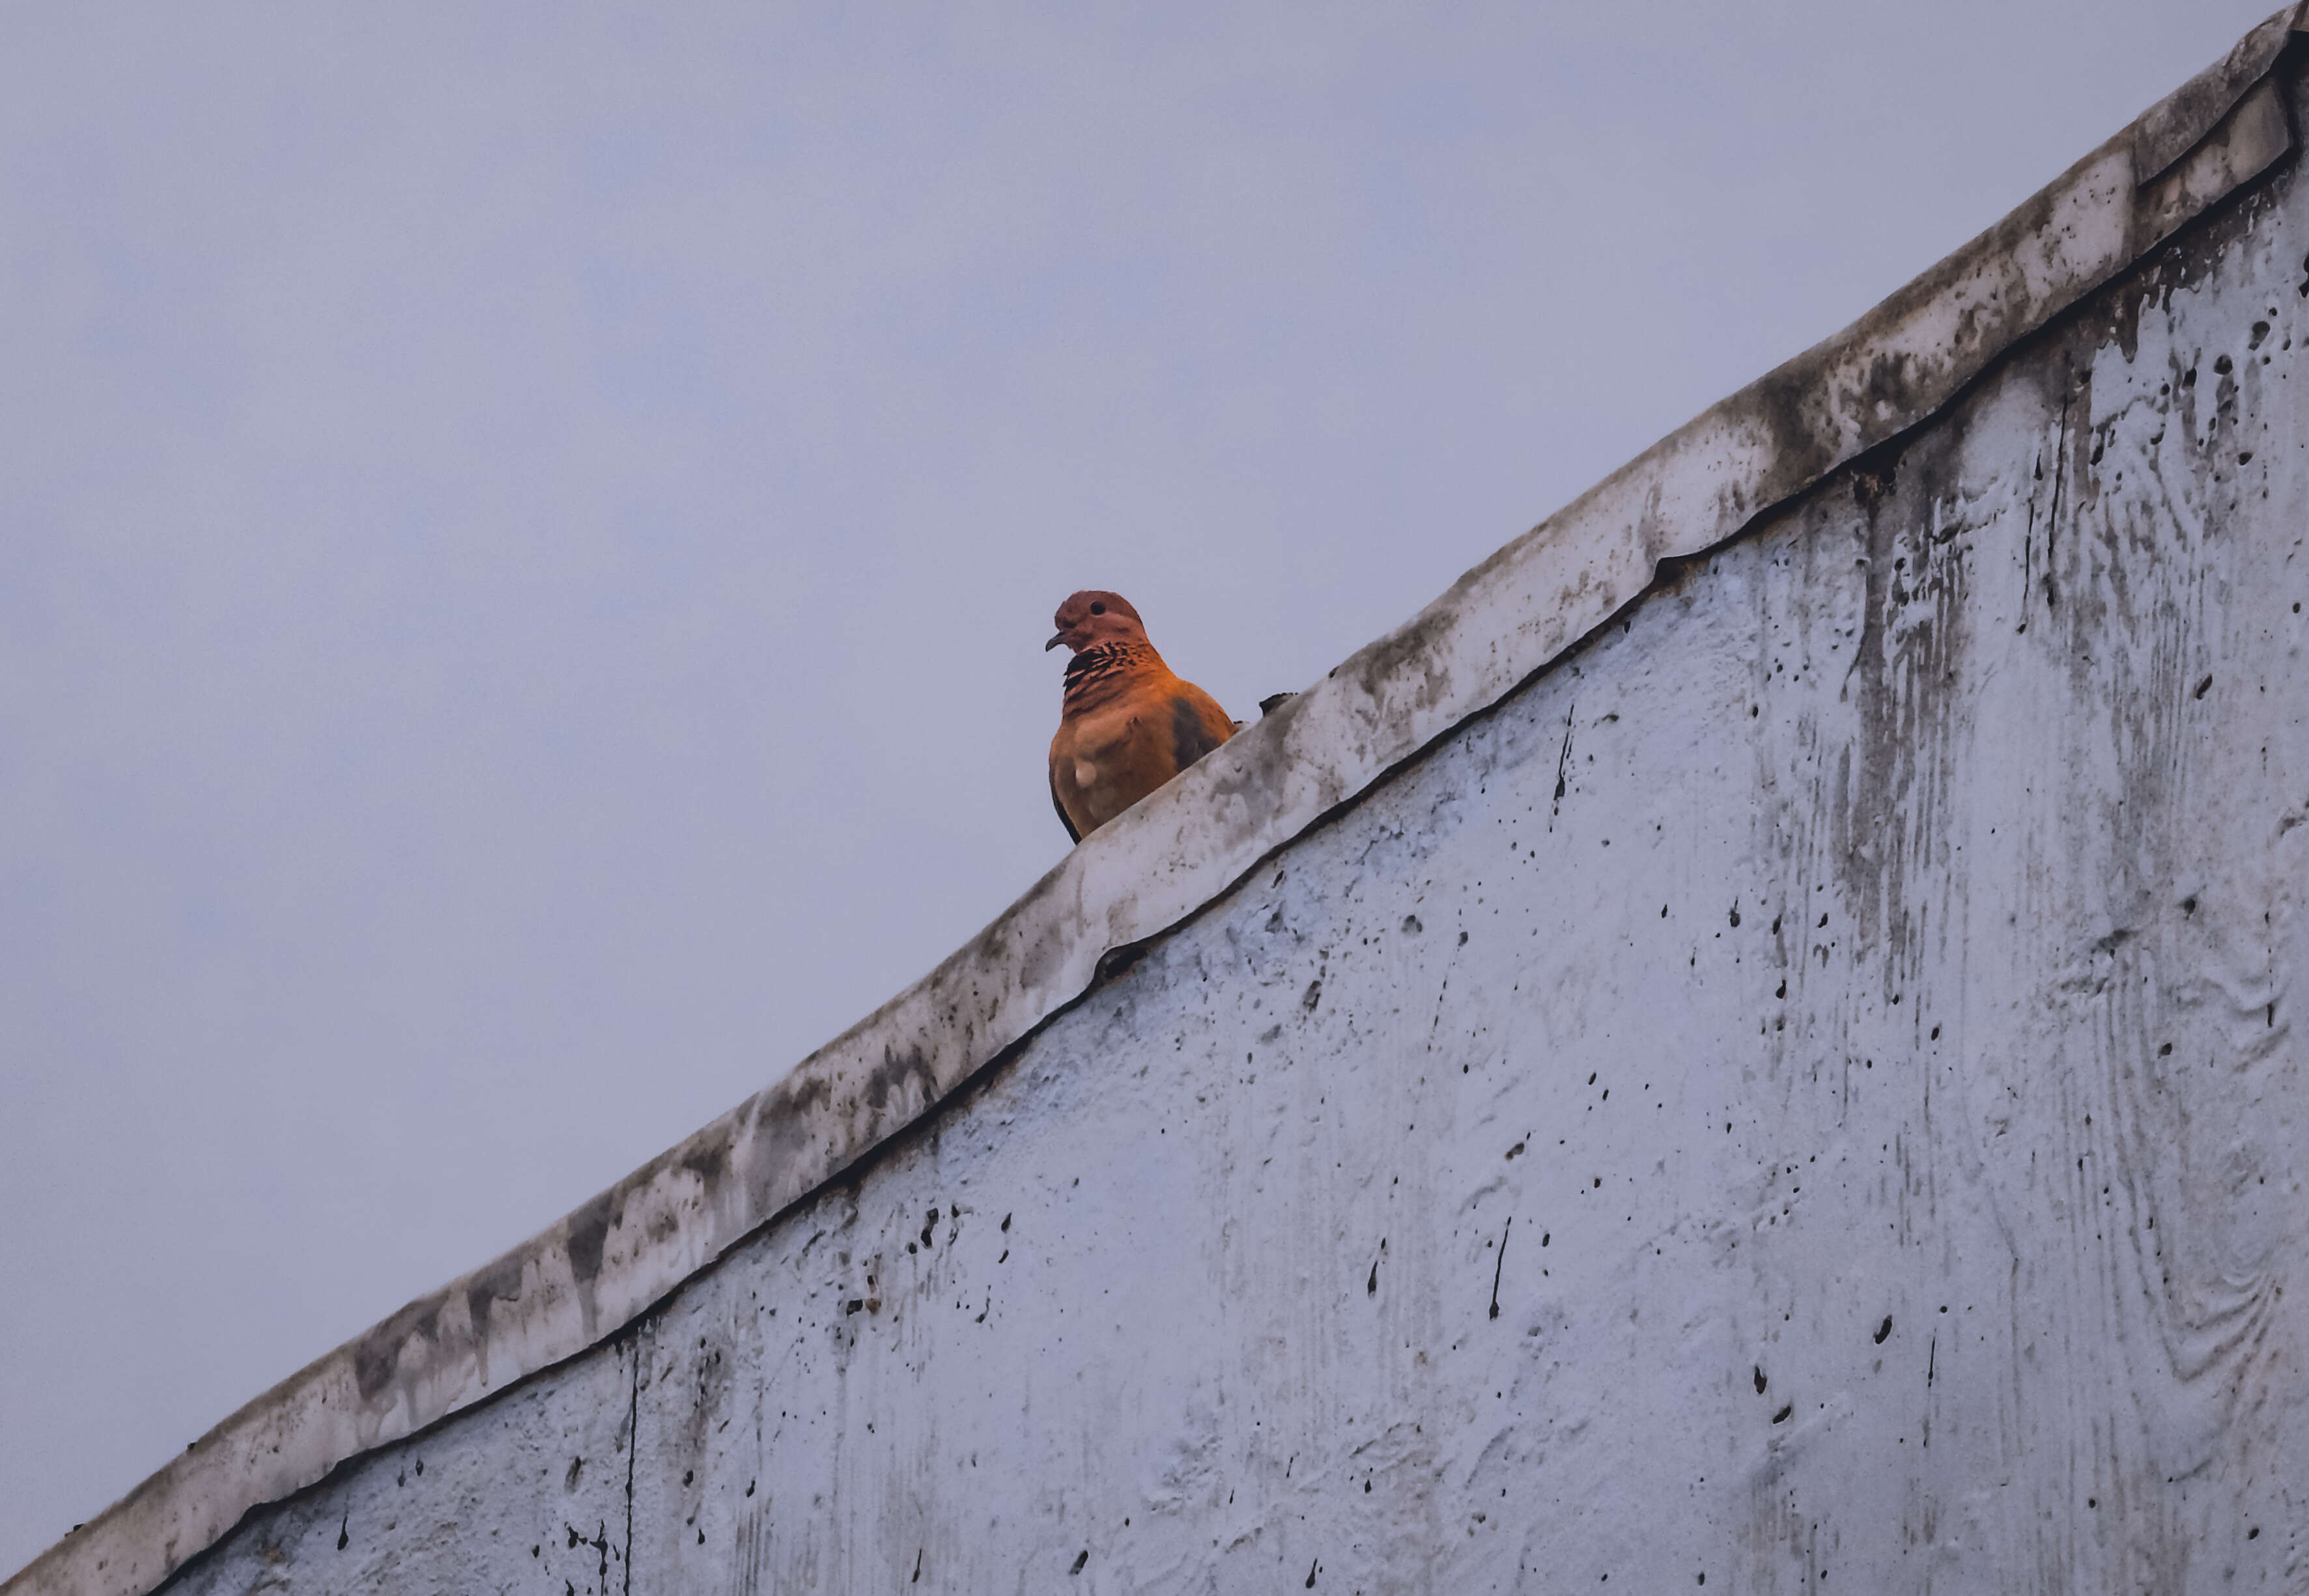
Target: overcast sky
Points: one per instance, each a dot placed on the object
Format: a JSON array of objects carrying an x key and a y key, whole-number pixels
[{"x": 526, "y": 531}]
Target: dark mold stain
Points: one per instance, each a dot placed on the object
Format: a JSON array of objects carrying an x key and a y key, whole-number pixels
[
  {"x": 707, "y": 1160},
  {"x": 589, "y": 1233},
  {"x": 498, "y": 1283},
  {"x": 895, "y": 1070}
]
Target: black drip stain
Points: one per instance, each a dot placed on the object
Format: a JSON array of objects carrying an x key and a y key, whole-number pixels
[
  {"x": 344, "y": 1531},
  {"x": 1497, "y": 1265},
  {"x": 1760, "y": 1381},
  {"x": 1080, "y": 1560},
  {"x": 1314, "y": 996},
  {"x": 1370, "y": 1286},
  {"x": 1883, "y": 1330},
  {"x": 1873, "y": 485},
  {"x": 2203, "y": 687},
  {"x": 1782, "y": 1416},
  {"x": 918, "y": 1566},
  {"x": 1312, "y": 1567},
  {"x": 577, "y": 1468}
]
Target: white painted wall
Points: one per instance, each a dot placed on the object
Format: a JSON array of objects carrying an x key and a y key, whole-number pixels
[{"x": 1805, "y": 1094}]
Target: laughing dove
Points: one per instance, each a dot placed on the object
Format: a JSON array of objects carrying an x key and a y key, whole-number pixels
[{"x": 1128, "y": 724}]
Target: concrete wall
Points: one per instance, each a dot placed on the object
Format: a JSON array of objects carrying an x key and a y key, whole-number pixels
[{"x": 1804, "y": 1095}]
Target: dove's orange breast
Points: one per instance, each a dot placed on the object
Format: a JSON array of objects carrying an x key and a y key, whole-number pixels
[{"x": 1106, "y": 756}]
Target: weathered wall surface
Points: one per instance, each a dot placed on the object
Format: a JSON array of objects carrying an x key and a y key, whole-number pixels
[{"x": 1806, "y": 1095}]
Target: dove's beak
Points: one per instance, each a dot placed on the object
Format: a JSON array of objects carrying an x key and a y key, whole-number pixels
[{"x": 1054, "y": 643}]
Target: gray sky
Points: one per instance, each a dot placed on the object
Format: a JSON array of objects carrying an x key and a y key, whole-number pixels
[{"x": 526, "y": 531}]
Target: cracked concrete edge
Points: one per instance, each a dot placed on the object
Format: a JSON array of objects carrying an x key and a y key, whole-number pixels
[{"x": 595, "y": 1272}]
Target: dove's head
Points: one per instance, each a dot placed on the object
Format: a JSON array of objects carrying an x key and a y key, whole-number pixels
[{"x": 1091, "y": 617}]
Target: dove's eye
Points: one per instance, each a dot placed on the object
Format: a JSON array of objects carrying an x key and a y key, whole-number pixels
[{"x": 1098, "y": 610}]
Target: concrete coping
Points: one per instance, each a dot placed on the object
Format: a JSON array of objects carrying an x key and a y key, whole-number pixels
[{"x": 591, "y": 1274}]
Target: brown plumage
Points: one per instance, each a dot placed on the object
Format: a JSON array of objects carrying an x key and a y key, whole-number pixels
[{"x": 1128, "y": 724}]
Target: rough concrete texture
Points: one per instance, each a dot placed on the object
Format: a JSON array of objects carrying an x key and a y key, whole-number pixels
[{"x": 1804, "y": 1095}]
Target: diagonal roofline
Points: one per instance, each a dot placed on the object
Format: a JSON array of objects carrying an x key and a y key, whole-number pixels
[{"x": 591, "y": 1274}]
